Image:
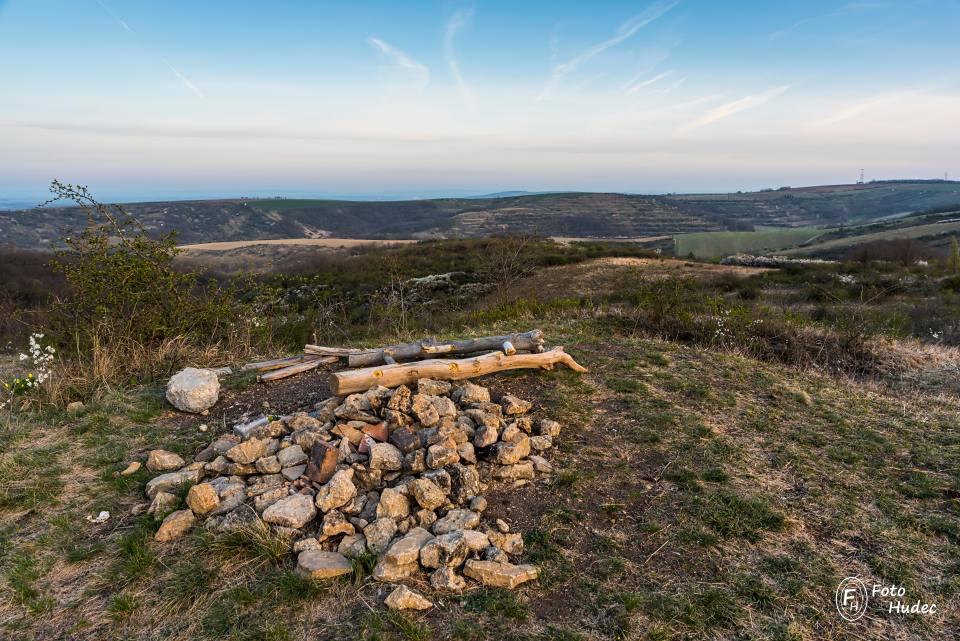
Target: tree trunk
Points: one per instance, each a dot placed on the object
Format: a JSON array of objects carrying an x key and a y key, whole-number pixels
[
  {"x": 350, "y": 381},
  {"x": 531, "y": 341}
]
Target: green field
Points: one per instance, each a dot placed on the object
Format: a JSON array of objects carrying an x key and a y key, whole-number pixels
[
  {"x": 712, "y": 244},
  {"x": 916, "y": 232}
]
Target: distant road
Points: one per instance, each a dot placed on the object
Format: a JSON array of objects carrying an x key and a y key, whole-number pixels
[{"x": 333, "y": 243}]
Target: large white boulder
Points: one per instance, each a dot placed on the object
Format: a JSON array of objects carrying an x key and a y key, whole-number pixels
[{"x": 193, "y": 390}]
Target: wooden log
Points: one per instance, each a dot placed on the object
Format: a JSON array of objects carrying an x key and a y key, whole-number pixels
[
  {"x": 358, "y": 380},
  {"x": 277, "y": 363},
  {"x": 335, "y": 351},
  {"x": 299, "y": 368},
  {"x": 531, "y": 341}
]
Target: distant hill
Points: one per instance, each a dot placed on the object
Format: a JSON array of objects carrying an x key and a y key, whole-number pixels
[{"x": 599, "y": 215}]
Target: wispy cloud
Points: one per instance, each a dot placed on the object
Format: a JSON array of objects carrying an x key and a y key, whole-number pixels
[
  {"x": 669, "y": 88},
  {"x": 852, "y": 111},
  {"x": 186, "y": 81},
  {"x": 454, "y": 25},
  {"x": 842, "y": 11},
  {"x": 728, "y": 109},
  {"x": 624, "y": 32},
  {"x": 649, "y": 81},
  {"x": 119, "y": 20},
  {"x": 419, "y": 72}
]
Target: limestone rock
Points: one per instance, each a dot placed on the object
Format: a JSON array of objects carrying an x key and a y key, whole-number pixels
[
  {"x": 406, "y": 550},
  {"x": 294, "y": 511},
  {"x": 384, "y": 456},
  {"x": 403, "y": 598},
  {"x": 163, "y": 461},
  {"x": 268, "y": 465},
  {"x": 171, "y": 481},
  {"x": 132, "y": 468},
  {"x": 441, "y": 455},
  {"x": 448, "y": 549},
  {"x": 379, "y": 533},
  {"x": 162, "y": 503},
  {"x": 248, "y": 451},
  {"x": 549, "y": 427},
  {"x": 499, "y": 575},
  {"x": 541, "y": 464},
  {"x": 512, "y": 405},
  {"x": 321, "y": 564},
  {"x": 433, "y": 387},
  {"x": 427, "y": 494},
  {"x": 423, "y": 408},
  {"x": 175, "y": 525},
  {"x": 476, "y": 541},
  {"x": 464, "y": 483},
  {"x": 400, "y": 401},
  {"x": 541, "y": 443},
  {"x": 352, "y": 545},
  {"x": 337, "y": 492},
  {"x": 457, "y": 519},
  {"x": 193, "y": 390},
  {"x": 471, "y": 393},
  {"x": 291, "y": 456},
  {"x": 447, "y": 580},
  {"x": 334, "y": 524},
  {"x": 511, "y": 453},
  {"x": 392, "y": 504},
  {"x": 203, "y": 498}
]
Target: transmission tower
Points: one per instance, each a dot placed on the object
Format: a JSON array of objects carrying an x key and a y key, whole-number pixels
[{"x": 860, "y": 182}]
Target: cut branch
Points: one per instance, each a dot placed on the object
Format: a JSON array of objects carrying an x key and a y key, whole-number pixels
[
  {"x": 297, "y": 369},
  {"x": 350, "y": 381},
  {"x": 335, "y": 351},
  {"x": 531, "y": 341},
  {"x": 278, "y": 363}
]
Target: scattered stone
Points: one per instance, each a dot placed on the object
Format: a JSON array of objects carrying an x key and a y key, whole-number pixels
[
  {"x": 502, "y": 525},
  {"x": 540, "y": 464},
  {"x": 203, "y": 499},
  {"x": 293, "y": 473},
  {"x": 499, "y": 575},
  {"x": 511, "y": 453},
  {"x": 478, "y": 504},
  {"x": 470, "y": 393},
  {"x": 403, "y": 598},
  {"x": 392, "y": 505},
  {"x": 74, "y": 407},
  {"x": 132, "y": 468},
  {"x": 512, "y": 405},
  {"x": 102, "y": 517},
  {"x": 427, "y": 493},
  {"x": 549, "y": 427},
  {"x": 432, "y": 387},
  {"x": 424, "y": 409},
  {"x": 337, "y": 492},
  {"x": 175, "y": 525},
  {"x": 384, "y": 456},
  {"x": 163, "y": 461},
  {"x": 268, "y": 465},
  {"x": 248, "y": 451},
  {"x": 352, "y": 545},
  {"x": 541, "y": 443},
  {"x": 448, "y": 550},
  {"x": 162, "y": 503},
  {"x": 335, "y": 524},
  {"x": 293, "y": 511},
  {"x": 321, "y": 564},
  {"x": 193, "y": 390},
  {"x": 171, "y": 481},
  {"x": 379, "y": 533},
  {"x": 291, "y": 456},
  {"x": 457, "y": 519},
  {"x": 446, "y": 579}
]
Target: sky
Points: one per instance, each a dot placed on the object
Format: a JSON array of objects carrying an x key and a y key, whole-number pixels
[{"x": 175, "y": 99}]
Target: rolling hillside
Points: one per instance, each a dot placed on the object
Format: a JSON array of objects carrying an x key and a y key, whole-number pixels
[{"x": 562, "y": 214}]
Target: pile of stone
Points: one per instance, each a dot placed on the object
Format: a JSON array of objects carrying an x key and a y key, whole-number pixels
[{"x": 389, "y": 472}]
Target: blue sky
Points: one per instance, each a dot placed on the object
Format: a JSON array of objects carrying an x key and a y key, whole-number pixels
[{"x": 175, "y": 98}]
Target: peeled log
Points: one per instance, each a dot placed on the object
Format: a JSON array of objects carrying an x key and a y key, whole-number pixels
[
  {"x": 531, "y": 341},
  {"x": 359, "y": 380},
  {"x": 278, "y": 363}
]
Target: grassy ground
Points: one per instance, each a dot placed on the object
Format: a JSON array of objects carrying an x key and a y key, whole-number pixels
[
  {"x": 712, "y": 244},
  {"x": 697, "y": 495}
]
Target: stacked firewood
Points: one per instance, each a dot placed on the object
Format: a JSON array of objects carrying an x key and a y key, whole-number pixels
[{"x": 382, "y": 366}]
